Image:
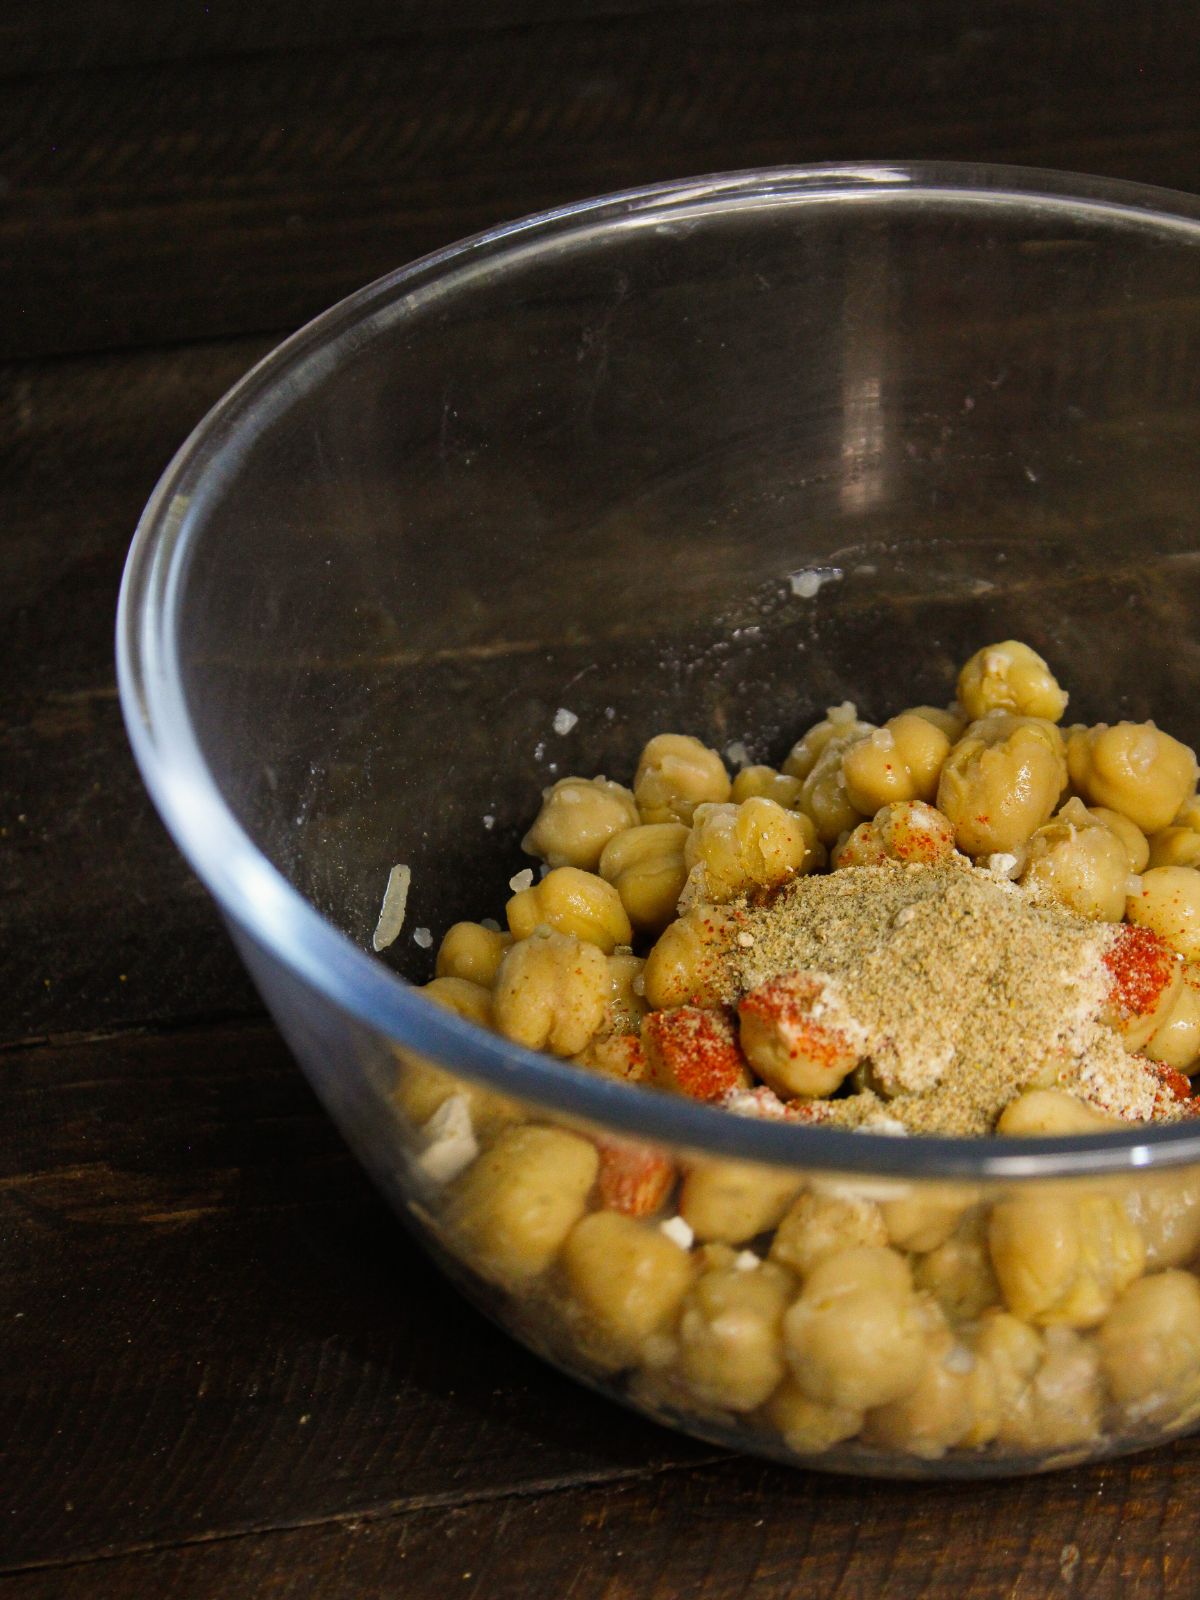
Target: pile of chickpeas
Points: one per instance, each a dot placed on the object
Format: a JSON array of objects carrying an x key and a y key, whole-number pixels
[{"x": 1041, "y": 1321}]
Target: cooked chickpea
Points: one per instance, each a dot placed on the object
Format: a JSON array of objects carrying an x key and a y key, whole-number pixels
[
  {"x": 958, "y": 1274},
  {"x": 1174, "y": 847},
  {"x": 1150, "y": 1346},
  {"x": 947, "y": 719},
  {"x": 627, "y": 1278},
  {"x": 551, "y": 992},
  {"x": 1165, "y": 1209},
  {"x": 1176, "y": 1037},
  {"x": 1133, "y": 768},
  {"x": 855, "y": 1337},
  {"x": 1167, "y": 900},
  {"x": 926, "y": 1217},
  {"x": 840, "y": 724},
  {"x": 685, "y": 965},
  {"x": 1048, "y": 1392},
  {"x": 808, "y": 1426},
  {"x": 578, "y": 818},
  {"x": 626, "y": 1005},
  {"x": 1001, "y": 781},
  {"x": 797, "y": 1042},
  {"x": 824, "y": 796},
  {"x": 819, "y": 1225},
  {"x": 1010, "y": 677},
  {"x": 732, "y": 1201},
  {"x": 473, "y": 952},
  {"x": 939, "y": 1412},
  {"x": 735, "y": 848},
  {"x": 766, "y": 783},
  {"x": 909, "y": 831},
  {"x": 646, "y": 867},
  {"x": 514, "y": 1207},
  {"x": 615, "y": 1055},
  {"x": 1063, "y": 1258},
  {"x": 693, "y": 1050},
  {"x": 900, "y": 761},
  {"x": 1147, "y": 981},
  {"x": 1038, "y": 1112},
  {"x": 1079, "y": 861},
  {"x": 422, "y": 1087},
  {"x": 573, "y": 902},
  {"x": 675, "y": 774},
  {"x": 731, "y": 1335},
  {"x": 1137, "y": 846}
]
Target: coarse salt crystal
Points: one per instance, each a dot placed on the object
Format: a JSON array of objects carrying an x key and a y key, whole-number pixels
[
  {"x": 422, "y": 937},
  {"x": 564, "y": 720},
  {"x": 883, "y": 739},
  {"x": 678, "y": 1231},
  {"x": 521, "y": 880},
  {"x": 391, "y": 912},
  {"x": 1133, "y": 885},
  {"x": 746, "y": 1261},
  {"x": 737, "y": 753},
  {"x": 489, "y": 822},
  {"x": 746, "y": 940},
  {"x": 808, "y": 582},
  {"x": 1003, "y": 863},
  {"x": 846, "y": 712},
  {"x": 452, "y": 1145}
]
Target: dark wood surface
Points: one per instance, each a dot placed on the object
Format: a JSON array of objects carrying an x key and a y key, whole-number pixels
[{"x": 224, "y": 1370}]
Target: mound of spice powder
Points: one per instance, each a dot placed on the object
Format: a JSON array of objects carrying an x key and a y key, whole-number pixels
[{"x": 968, "y": 988}]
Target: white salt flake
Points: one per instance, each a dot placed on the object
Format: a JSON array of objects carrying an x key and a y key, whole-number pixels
[
  {"x": 391, "y": 912},
  {"x": 737, "y": 753},
  {"x": 489, "y": 821},
  {"x": 1003, "y": 864},
  {"x": 521, "y": 880},
  {"x": 677, "y": 1230},
  {"x": 422, "y": 937},
  {"x": 808, "y": 582},
  {"x": 451, "y": 1145},
  {"x": 564, "y": 720},
  {"x": 746, "y": 1261}
]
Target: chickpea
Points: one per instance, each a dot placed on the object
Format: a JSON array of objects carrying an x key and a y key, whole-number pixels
[
  {"x": 578, "y": 818},
  {"x": 1150, "y": 1346},
  {"x": 1063, "y": 1258},
  {"x": 732, "y": 1201},
  {"x": 799, "y": 1041},
  {"x": 809, "y": 1427},
  {"x": 473, "y": 952},
  {"x": 675, "y": 774},
  {"x": 646, "y": 867},
  {"x": 1146, "y": 980},
  {"x": 840, "y": 724},
  {"x": 1039, "y": 1112},
  {"x": 1010, "y": 677},
  {"x": 900, "y": 761},
  {"x": 422, "y": 1087},
  {"x": 1133, "y": 768},
  {"x": 686, "y": 965},
  {"x": 514, "y": 1207},
  {"x": 1165, "y": 1209},
  {"x": 1079, "y": 862},
  {"x": 1174, "y": 847},
  {"x": 818, "y": 1226},
  {"x": 1188, "y": 815},
  {"x": 627, "y": 1278},
  {"x": 753, "y": 782},
  {"x": 855, "y": 1337},
  {"x": 1168, "y": 901},
  {"x": 824, "y": 796},
  {"x": 947, "y": 719},
  {"x": 626, "y": 1004},
  {"x": 551, "y": 992},
  {"x": 1176, "y": 1037},
  {"x": 731, "y": 1335},
  {"x": 958, "y": 1274},
  {"x": 939, "y": 1412},
  {"x": 1137, "y": 846},
  {"x": 635, "y": 1179},
  {"x": 909, "y": 831},
  {"x": 693, "y": 1051},
  {"x": 1047, "y": 1385},
  {"x": 756, "y": 845},
  {"x": 572, "y": 902},
  {"x": 615, "y": 1055},
  {"x": 925, "y": 1218},
  {"x": 1001, "y": 781}
]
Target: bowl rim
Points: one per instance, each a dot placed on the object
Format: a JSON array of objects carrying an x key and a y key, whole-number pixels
[{"x": 282, "y": 924}]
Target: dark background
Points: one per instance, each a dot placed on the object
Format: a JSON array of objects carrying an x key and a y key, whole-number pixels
[{"x": 223, "y": 1370}]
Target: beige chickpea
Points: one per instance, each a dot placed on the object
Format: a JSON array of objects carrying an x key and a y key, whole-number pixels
[
  {"x": 900, "y": 761},
  {"x": 824, "y": 796},
  {"x": 1133, "y": 768},
  {"x": 1047, "y": 1386},
  {"x": 910, "y": 831},
  {"x": 422, "y": 1087},
  {"x": 732, "y": 1201},
  {"x": 840, "y": 724},
  {"x": 1150, "y": 1346},
  {"x": 686, "y": 964},
  {"x": 939, "y": 1412},
  {"x": 819, "y": 1225},
  {"x": 1174, "y": 847},
  {"x": 1165, "y": 1209},
  {"x": 766, "y": 783},
  {"x": 735, "y": 848},
  {"x": 1079, "y": 862},
  {"x": 950, "y": 720},
  {"x": 926, "y": 1217},
  {"x": 1010, "y": 677},
  {"x": 1061, "y": 1258},
  {"x": 626, "y": 1004},
  {"x": 646, "y": 867},
  {"x": 855, "y": 1338},
  {"x": 808, "y": 1426},
  {"x": 958, "y": 1273},
  {"x": 1146, "y": 981},
  {"x": 551, "y": 992},
  {"x": 626, "y": 1277},
  {"x": 796, "y": 1037},
  {"x": 573, "y": 902},
  {"x": 578, "y": 818},
  {"x": 615, "y": 1055},
  {"x": 1188, "y": 815},
  {"x": 1137, "y": 846},
  {"x": 1167, "y": 900},
  {"x": 1001, "y": 781},
  {"x": 1176, "y": 1037},
  {"x": 514, "y": 1207},
  {"x": 473, "y": 952},
  {"x": 693, "y": 1051},
  {"x": 675, "y": 774},
  {"x": 1039, "y": 1112},
  {"x": 731, "y": 1335}
]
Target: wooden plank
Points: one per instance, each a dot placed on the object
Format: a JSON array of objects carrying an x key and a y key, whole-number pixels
[
  {"x": 179, "y": 200},
  {"x": 1123, "y": 1531},
  {"x": 211, "y": 1323}
]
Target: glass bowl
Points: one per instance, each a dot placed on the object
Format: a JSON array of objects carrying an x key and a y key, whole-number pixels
[{"x": 577, "y": 463}]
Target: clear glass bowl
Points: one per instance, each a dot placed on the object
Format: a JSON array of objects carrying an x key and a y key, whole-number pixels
[{"x": 572, "y": 463}]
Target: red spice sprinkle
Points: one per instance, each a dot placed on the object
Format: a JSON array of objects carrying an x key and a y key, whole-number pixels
[
  {"x": 633, "y": 1178},
  {"x": 785, "y": 1006},
  {"x": 693, "y": 1049},
  {"x": 1141, "y": 966}
]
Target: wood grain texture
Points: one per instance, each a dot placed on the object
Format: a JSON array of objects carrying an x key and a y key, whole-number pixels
[{"x": 180, "y": 200}]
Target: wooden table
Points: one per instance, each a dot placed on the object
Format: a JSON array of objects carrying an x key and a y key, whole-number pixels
[{"x": 224, "y": 1371}]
